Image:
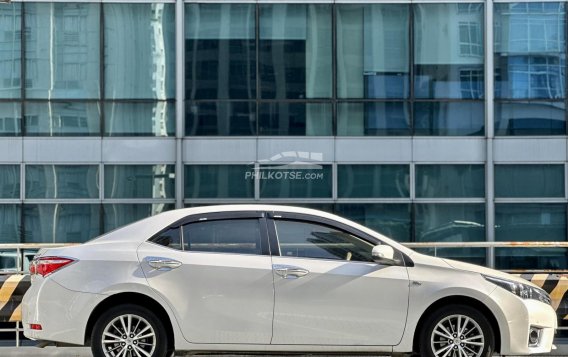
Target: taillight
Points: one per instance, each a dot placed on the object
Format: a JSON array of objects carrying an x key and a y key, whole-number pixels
[{"x": 46, "y": 265}]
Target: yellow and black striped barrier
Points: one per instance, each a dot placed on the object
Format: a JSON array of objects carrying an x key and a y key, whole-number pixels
[{"x": 12, "y": 290}]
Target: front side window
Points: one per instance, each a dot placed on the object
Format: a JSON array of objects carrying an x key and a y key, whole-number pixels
[
  {"x": 311, "y": 240},
  {"x": 239, "y": 236}
]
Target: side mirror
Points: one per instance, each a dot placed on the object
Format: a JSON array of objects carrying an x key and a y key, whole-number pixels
[{"x": 383, "y": 254}]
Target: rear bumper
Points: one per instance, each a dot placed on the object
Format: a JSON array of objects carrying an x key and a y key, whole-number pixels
[{"x": 62, "y": 313}]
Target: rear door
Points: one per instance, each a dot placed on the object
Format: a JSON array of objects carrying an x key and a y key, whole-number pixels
[{"x": 216, "y": 276}]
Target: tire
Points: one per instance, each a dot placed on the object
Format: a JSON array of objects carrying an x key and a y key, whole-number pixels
[
  {"x": 476, "y": 338},
  {"x": 143, "y": 323}
]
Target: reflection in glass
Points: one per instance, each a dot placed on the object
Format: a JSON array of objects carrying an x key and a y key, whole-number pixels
[
  {"x": 452, "y": 222},
  {"x": 449, "y": 56},
  {"x": 530, "y": 118},
  {"x": 389, "y": 219},
  {"x": 529, "y": 181},
  {"x": 366, "y": 181},
  {"x": 295, "y": 119},
  {"x": 382, "y": 118},
  {"x": 220, "y": 51},
  {"x": 10, "y": 223},
  {"x": 530, "y": 222},
  {"x": 139, "y": 181},
  {"x": 449, "y": 118},
  {"x": 530, "y": 50},
  {"x": 139, "y": 51},
  {"x": 62, "y": 50},
  {"x": 295, "y": 180},
  {"x": 9, "y": 181},
  {"x": 10, "y": 118},
  {"x": 219, "y": 181},
  {"x": 61, "y": 223},
  {"x": 295, "y": 51},
  {"x": 372, "y": 51},
  {"x": 118, "y": 215},
  {"x": 62, "y": 181},
  {"x": 62, "y": 118},
  {"x": 441, "y": 181},
  {"x": 140, "y": 119},
  {"x": 10, "y": 50},
  {"x": 220, "y": 118}
]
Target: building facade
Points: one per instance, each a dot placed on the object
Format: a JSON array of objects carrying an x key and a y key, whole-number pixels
[{"x": 428, "y": 121}]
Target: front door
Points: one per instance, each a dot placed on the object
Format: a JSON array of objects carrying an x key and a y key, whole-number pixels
[{"x": 328, "y": 290}]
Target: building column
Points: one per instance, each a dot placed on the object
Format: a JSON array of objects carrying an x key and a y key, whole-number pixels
[
  {"x": 490, "y": 133},
  {"x": 180, "y": 104}
]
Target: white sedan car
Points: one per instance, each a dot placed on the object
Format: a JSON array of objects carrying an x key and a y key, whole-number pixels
[{"x": 263, "y": 278}]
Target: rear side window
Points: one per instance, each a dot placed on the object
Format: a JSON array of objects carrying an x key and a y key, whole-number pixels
[
  {"x": 238, "y": 236},
  {"x": 311, "y": 240},
  {"x": 169, "y": 238}
]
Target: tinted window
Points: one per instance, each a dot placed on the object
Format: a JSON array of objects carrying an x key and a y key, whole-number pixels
[
  {"x": 169, "y": 239},
  {"x": 240, "y": 236},
  {"x": 309, "y": 240}
]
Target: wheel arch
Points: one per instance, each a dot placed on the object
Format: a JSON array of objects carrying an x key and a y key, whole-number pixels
[
  {"x": 458, "y": 300},
  {"x": 131, "y": 298}
]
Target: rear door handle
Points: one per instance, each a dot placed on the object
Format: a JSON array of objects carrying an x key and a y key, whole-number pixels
[
  {"x": 290, "y": 271},
  {"x": 161, "y": 263}
]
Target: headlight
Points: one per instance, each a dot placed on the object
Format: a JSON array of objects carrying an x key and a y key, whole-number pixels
[{"x": 521, "y": 290}]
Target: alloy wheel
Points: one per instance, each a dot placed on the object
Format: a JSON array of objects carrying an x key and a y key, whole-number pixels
[
  {"x": 457, "y": 336},
  {"x": 128, "y": 335}
]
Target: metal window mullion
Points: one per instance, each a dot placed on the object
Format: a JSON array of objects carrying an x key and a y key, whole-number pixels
[
  {"x": 180, "y": 107},
  {"x": 490, "y": 133}
]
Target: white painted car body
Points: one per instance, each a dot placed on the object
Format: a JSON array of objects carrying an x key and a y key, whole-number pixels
[{"x": 236, "y": 302}]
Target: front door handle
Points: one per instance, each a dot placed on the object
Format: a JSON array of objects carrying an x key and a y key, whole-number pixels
[
  {"x": 290, "y": 271},
  {"x": 161, "y": 263}
]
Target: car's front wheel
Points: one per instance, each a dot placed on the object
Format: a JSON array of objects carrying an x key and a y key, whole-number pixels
[
  {"x": 457, "y": 331},
  {"x": 128, "y": 331}
]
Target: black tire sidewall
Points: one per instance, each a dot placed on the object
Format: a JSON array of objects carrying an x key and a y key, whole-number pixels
[
  {"x": 114, "y": 312},
  {"x": 474, "y": 314}
]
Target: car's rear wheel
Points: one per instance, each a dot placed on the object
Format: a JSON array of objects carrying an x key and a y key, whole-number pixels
[
  {"x": 457, "y": 331},
  {"x": 129, "y": 331}
]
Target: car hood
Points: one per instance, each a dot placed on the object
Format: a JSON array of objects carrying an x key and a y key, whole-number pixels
[{"x": 485, "y": 271}]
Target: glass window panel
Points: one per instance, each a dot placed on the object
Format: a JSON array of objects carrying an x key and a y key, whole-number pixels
[
  {"x": 366, "y": 181},
  {"x": 10, "y": 50},
  {"x": 311, "y": 240},
  {"x": 220, "y": 118},
  {"x": 452, "y": 222},
  {"x": 10, "y": 223},
  {"x": 530, "y": 118},
  {"x": 372, "y": 51},
  {"x": 295, "y": 119},
  {"x": 62, "y": 50},
  {"x": 140, "y": 119},
  {"x": 10, "y": 118},
  {"x": 61, "y": 223},
  {"x": 171, "y": 238},
  {"x": 62, "y": 181},
  {"x": 383, "y": 118},
  {"x": 219, "y": 181},
  {"x": 449, "y": 118},
  {"x": 118, "y": 215},
  {"x": 449, "y": 56},
  {"x": 62, "y": 119},
  {"x": 9, "y": 181},
  {"x": 139, "y": 51},
  {"x": 295, "y": 51},
  {"x": 529, "y": 181},
  {"x": 442, "y": 181},
  {"x": 389, "y": 219},
  {"x": 530, "y": 222},
  {"x": 220, "y": 51},
  {"x": 530, "y": 50},
  {"x": 139, "y": 181},
  {"x": 292, "y": 180},
  {"x": 238, "y": 236}
]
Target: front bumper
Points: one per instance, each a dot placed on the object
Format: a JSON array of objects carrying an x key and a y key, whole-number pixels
[
  {"x": 62, "y": 313},
  {"x": 515, "y": 320}
]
